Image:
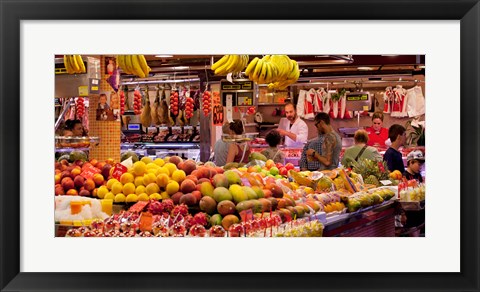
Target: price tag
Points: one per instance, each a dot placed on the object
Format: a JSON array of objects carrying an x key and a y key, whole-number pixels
[
  {"x": 138, "y": 207},
  {"x": 83, "y": 90},
  {"x": 229, "y": 108},
  {"x": 245, "y": 182},
  {"x": 89, "y": 171},
  {"x": 365, "y": 108},
  {"x": 217, "y": 110},
  {"x": 246, "y": 215},
  {"x": 386, "y": 182},
  {"x": 118, "y": 170}
]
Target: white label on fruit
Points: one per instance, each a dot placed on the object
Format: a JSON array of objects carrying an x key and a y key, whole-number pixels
[
  {"x": 229, "y": 108},
  {"x": 386, "y": 182}
]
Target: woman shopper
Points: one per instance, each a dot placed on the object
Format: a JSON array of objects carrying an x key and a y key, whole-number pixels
[
  {"x": 273, "y": 138},
  {"x": 238, "y": 152}
]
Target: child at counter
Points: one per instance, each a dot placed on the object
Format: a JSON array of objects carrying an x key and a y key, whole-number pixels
[
  {"x": 273, "y": 138},
  {"x": 415, "y": 160}
]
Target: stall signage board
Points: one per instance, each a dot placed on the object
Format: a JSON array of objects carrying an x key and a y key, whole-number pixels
[
  {"x": 358, "y": 101},
  {"x": 217, "y": 109},
  {"x": 241, "y": 92},
  {"x": 94, "y": 86},
  {"x": 236, "y": 85}
]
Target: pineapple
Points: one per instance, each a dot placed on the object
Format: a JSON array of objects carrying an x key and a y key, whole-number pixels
[{"x": 372, "y": 180}]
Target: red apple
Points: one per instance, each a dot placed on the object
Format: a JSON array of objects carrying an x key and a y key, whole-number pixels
[
  {"x": 283, "y": 171},
  {"x": 279, "y": 165},
  {"x": 289, "y": 166},
  {"x": 78, "y": 181}
]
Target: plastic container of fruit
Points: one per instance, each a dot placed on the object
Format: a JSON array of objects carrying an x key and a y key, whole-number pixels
[{"x": 76, "y": 142}]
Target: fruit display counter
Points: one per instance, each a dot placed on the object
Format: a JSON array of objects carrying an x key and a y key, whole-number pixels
[{"x": 177, "y": 197}]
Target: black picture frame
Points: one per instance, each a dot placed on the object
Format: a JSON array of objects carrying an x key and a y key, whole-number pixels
[{"x": 12, "y": 12}]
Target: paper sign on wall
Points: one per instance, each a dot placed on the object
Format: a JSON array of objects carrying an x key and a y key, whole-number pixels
[{"x": 229, "y": 108}]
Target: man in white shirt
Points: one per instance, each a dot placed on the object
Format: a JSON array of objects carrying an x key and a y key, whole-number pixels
[{"x": 294, "y": 129}]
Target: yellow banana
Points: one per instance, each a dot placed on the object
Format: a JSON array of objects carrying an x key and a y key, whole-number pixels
[
  {"x": 292, "y": 72},
  {"x": 137, "y": 69},
  {"x": 143, "y": 65},
  {"x": 67, "y": 64},
  {"x": 80, "y": 62},
  {"x": 121, "y": 62},
  {"x": 258, "y": 68},
  {"x": 219, "y": 63},
  {"x": 261, "y": 79},
  {"x": 75, "y": 66},
  {"x": 128, "y": 64},
  {"x": 222, "y": 69},
  {"x": 232, "y": 63},
  {"x": 251, "y": 66}
]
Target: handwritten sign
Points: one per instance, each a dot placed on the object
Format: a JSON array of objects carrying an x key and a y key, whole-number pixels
[
  {"x": 217, "y": 109},
  {"x": 89, "y": 171}
]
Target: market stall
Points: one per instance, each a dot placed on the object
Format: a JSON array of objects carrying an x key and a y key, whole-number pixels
[{"x": 143, "y": 169}]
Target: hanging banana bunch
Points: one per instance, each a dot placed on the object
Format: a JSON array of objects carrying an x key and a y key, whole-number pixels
[
  {"x": 278, "y": 71},
  {"x": 230, "y": 64},
  {"x": 74, "y": 64},
  {"x": 134, "y": 64}
]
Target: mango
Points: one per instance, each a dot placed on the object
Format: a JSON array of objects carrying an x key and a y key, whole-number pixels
[
  {"x": 232, "y": 177},
  {"x": 216, "y": 219},
  {"x": 238, "y": 193},
  {"x": 225, "y": 208},
  {"x": 257, "y": 156},
  {"x": 207, "y": 189},
  {"x": 220, "y": 180},
  {"x": 229, "y": 220},
  {"x": 252, "y": 195},
  {"x": 222, "y": 194},
  {"x": 258, "y": 190}
]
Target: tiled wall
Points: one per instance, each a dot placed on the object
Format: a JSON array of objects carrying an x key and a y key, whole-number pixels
[{"x": 108, "y": 131}]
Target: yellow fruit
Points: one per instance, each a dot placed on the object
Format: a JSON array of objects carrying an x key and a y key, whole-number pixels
[
  {"x": 172, "y": 187},
  {"x": 294, "y": 186},
  {"x": 119, "y": 198},
  {"x": 140, "y": 189},
  {"x": 149, "y": 178},
  {"x": 155, "y": 196},
  {"x": 117, "y": 188},
  {"x": 132, "y": 198},
  {"x": 308, "y": 190},
  {"x": 139, "y": 181},
  {"x": 101, "y": 192},
  {"x": 139, "y": 168},
  {"x": 171, "y": 167},
  {"x": 110, "y": 183},
  {"x": 163, "y": 170},
  {"x": 152, "y": 188},
  {"x": 153, "y": 166},
  {"x": 162, "y": 180},
  {"x": 166, "y": 159},
  {"x": 128, "y": 188},
  {"x": 146, "y": 159},
  {"x": 152, "y": 171},
  {"x": 165, "y": 195},
  {"x": 328, "y": 208},
  {"x": 159, "y": 162},
  {"x": 109, "y": 196},
  {"x": 126, "y": 178},
  {"x": 178, "y": 175},
  {"x": 143, "y": 197}
]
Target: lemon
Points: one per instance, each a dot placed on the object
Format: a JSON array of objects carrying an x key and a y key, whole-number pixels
[
  {"x": 146, "y": 159},
  {"x": 139, "y": 168},
  {"x": 126, "y": 178},
  {"x": 171, "y": 167},
  {"x": 119, "y": 198},
  {"x": 152, "y": 188},
  {"x": 172, "y": 187},
  {"x": 165, "y": 195},
  {"x": 163, "y": 170},
  {"x": 139, "y": 181},
  {"x": 101, "y": 192},
  {"x": 143, "y": 197},
  {"x": 109, "y": 196},
  {"x": 140, "y": 189},
  {"x": 178, "y": 175},
  {"x": 162, "y": 180},
  {"x": 110, "y": 183},
  {"x": 149, "y": 178},
  {"x": 117, "y": 188},
  {"x": 128, "y": 188},
  {"x": 159, "y": 162},
  {"x": 155, "y": 196},
  {"x": 132, "y": 198}
]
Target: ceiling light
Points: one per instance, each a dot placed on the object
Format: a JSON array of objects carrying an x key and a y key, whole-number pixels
[
  {"x": 365, "y": 68},
  {"x": 421, "y": 67},
  {"x": 389, "y": 55},
  {"x": 163, "y": 56}
]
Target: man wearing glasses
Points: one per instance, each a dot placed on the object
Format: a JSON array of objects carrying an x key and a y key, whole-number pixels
[
  {"x": 322, "y": 152},
  {"x": 294, "y": 129}
]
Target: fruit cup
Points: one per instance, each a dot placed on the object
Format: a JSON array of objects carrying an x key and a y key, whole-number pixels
[
  {"x": 107, "y": 206},
  {"x": 75, "y": 207}
]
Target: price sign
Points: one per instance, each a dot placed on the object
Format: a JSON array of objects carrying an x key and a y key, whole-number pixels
[
  {"x": 89, "y": 171},
  {"x": 118, "y": 170},
  {"x": 217, "y": 109}
]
